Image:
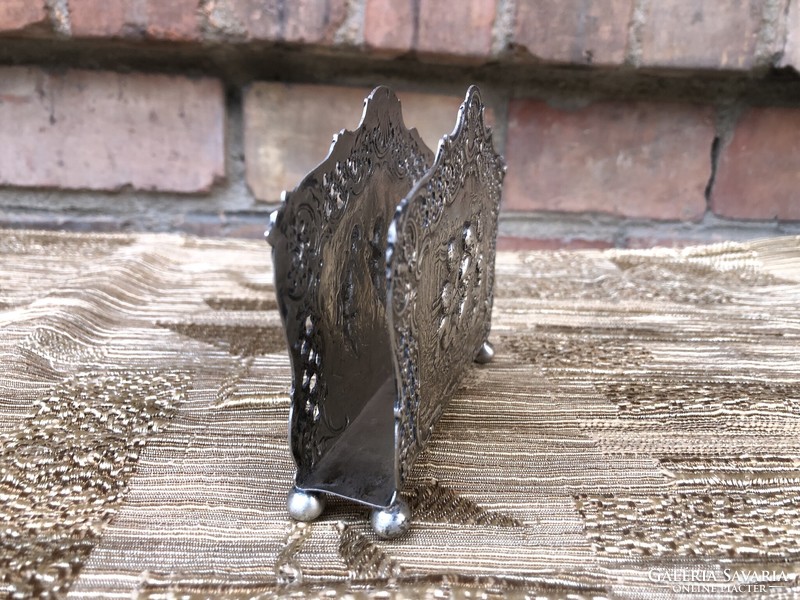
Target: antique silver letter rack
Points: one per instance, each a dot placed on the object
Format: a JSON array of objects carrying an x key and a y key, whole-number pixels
[{"x": 384, "y": 273}]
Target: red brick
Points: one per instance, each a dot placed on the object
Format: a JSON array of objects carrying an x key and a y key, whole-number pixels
[
  {"x": 574, "y": 31},
  {"x": 638, "y": 160},
  {"x": 389, "y": 26},
  {"x": 461, "y": 28},
  {"x": 16, "y": 15},
  {"x": 299, "y": 21},
  {"x": 311, "y": 22},
  {"x": 103, "y": 131},
  {"x": 288, "y": 128},
  {"x": 695, "y": 35},
  {"x": 175, "y": 20},
  {"x": 758, "y": 176},
  {"x": 521, "y": 243},
  {"x": 102, "y": 18}
]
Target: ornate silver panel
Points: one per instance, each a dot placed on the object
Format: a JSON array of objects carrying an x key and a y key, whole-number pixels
[
  {"x": 440, "y": 258},
  {"x": 329, "y": 243},
  {"x": 385, "y": 302}
]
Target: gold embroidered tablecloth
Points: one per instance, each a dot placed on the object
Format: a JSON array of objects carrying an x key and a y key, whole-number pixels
[{"x": 638, "y": 435}]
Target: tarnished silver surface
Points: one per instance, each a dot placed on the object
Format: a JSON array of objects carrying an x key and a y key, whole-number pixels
[
  {"x": 328, "y": 243},
  {"x": 303, "y": 505},
  {"x": 384, "y": 267},
  {"x": 392, "y": 521},
  {"x": 440, "y": 257},
  {"x": 485, "y": 354}
]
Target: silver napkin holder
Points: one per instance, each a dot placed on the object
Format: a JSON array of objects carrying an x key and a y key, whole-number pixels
[{"x": 384, "y": 274}]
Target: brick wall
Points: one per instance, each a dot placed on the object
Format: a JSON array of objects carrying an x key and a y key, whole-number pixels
[{"x": 623, "y": 122}]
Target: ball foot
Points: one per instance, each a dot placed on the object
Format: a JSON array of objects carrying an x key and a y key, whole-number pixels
[
  {"x": 273, "y": 219},
  {"x": 392, "y": 521},
  {"x": 305, "y": 506},
  {"x": 485, "y": 354}
]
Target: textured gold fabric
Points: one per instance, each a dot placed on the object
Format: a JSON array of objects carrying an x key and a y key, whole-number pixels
[{"x": 639, "y": 427}]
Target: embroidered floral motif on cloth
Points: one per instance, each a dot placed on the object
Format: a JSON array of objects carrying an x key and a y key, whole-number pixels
[{"x": 637, "y": 435}]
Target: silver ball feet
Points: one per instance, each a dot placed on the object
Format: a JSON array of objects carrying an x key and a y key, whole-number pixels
[
  {"x": 392, "y": 521},
  {"x": 305, "y": 506},
  {"x": 485, "y": 354},
  {"x": 273, "y": 219}
]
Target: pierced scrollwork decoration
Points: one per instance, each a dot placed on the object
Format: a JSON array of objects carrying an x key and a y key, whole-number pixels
[{"x": 384, "y": 271}]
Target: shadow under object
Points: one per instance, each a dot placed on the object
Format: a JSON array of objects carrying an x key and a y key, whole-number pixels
[{"x": 384, "y": 275}]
